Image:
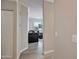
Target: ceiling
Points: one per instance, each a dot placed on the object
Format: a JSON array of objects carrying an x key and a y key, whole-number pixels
[{"x": 35, "y": 8}]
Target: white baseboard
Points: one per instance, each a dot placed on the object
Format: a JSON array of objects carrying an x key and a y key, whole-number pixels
[
  {"x": 23, "y": 50},
  {"x": 50, "y": 52},
  {"x": 51, "y": 1},
  {"x": 18, "y": 56}
]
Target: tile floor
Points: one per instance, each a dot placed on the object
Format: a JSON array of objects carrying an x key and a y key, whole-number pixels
[{"x": 35, "y": 51}]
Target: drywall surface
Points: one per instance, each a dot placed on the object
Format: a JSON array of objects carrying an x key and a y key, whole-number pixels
[
  {"x": 8, "y": 5},
  {"x": 65, "y": 26},
  {"x": 32, "y": 21},
  {"x": 22, "y": 35},
  {"x": 24, "y": 26},
  {"x": 48, "y": 27}
]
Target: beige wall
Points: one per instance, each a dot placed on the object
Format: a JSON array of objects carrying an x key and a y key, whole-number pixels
[
  {"x": 65, "y": 26},
  {"x": 48, "y": 27},
  {"x": 9, "y": 5},
  {"x": 60, "y": 22}
]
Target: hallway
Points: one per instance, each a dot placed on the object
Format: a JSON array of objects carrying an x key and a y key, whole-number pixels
[{"x": 34, "y": 52}]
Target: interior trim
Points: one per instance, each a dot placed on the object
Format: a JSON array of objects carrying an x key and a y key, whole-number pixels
[
  {"x": 50, "y": 52},
  {"x": 21, "y": 51}
]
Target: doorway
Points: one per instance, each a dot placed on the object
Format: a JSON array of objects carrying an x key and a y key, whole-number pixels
[{"x": 30, "y": 27}]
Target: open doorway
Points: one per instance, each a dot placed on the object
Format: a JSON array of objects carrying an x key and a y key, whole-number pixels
[{"x": 30, "y": 29}]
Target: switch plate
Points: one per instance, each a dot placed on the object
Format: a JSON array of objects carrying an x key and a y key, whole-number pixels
[
  {"x": 74, "y": 38},
  {"x": 56, "y": 34}
]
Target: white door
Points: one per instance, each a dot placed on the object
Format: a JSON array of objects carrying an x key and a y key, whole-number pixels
[{"x": 7, "y": 34}]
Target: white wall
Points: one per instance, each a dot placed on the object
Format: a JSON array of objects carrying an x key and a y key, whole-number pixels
[
  {"x": 24, "y": 26},
  {"x": 48, "y": 28},
  {"x": 36, "y": 12},
  {"x": 22, "y": 35},
  {"x": 32, "y": 20},
  {"x": 65, "y": 25},
  {"x": 35, "y": 8}
]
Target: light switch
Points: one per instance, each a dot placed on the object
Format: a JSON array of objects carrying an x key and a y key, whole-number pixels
[
  {"x": 56, "y": 34},
  {"x": 74, "y": 38}
]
